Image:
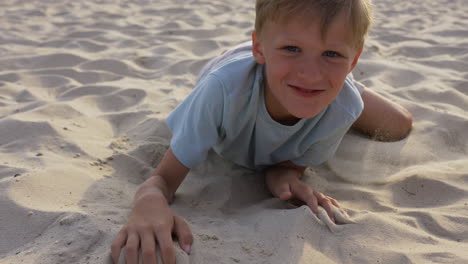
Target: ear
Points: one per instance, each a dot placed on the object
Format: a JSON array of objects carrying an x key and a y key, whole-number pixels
[
  {"x": 355, "y": 60},
  {"x": 257, "y": 51}
]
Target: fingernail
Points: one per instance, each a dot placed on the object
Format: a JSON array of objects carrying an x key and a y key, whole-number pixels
[
  {"x": 285, "y": 195},
  {"x": 187, "y": 248}
]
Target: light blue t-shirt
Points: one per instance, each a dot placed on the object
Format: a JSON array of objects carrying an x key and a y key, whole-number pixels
[{"x": 226, "y": 112}]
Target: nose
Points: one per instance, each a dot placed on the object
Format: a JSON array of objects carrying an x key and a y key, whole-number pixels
[{"x": 309, "y": 70}]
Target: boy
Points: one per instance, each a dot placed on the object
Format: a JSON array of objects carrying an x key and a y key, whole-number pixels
[{"x": 278, "y": 104}]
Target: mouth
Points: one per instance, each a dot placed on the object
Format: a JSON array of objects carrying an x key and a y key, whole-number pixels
[{"x": 305, "y": 92}]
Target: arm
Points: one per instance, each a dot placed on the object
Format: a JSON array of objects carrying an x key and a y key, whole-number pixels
[
  {"x": 166, "y": 178},
  {"x": 283, "y": 180},
  {"x": 383, "y": 119},
  {"x": 152, "y": 219}
]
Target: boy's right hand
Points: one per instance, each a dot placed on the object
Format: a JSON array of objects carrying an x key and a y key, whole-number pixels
[{"x": 151, "y": 224}]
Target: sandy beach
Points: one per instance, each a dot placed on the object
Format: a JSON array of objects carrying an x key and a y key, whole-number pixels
[{"x": 85, "y": 87}]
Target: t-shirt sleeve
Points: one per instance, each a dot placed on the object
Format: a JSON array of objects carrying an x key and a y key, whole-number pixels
[
  {"x": 322, "y": 150},
  {"x": 359, "y": 86},
  {"x": 196, "y": 122}
]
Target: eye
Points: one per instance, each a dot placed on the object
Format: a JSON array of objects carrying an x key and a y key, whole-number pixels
[
  {"x": 331, "y": 54},
  {"x": 292, "y": 49}
]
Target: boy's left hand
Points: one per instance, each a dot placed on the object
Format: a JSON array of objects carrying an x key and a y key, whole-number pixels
[{"x": 285, "y": 184}]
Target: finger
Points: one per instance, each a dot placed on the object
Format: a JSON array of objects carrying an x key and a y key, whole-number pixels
[
  {"x": 334, "y": 202},
  {"x": 306, "y": 194},
  {"x": 341, "y": 216},
  {"x": 131, "y": 249},
  {"x": 117, "y": 245},
  {"x": 183, "y": 233},
  {"x": 282, "y": 190},
  {"x": 166, "y": 247},
  {"x": 148, "y": 249},
  {"x": 285, "y": 193},
  {"x": 323, "y": 216},
  {"x": 326, "y": 204}
]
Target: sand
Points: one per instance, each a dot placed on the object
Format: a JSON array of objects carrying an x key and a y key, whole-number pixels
[{"x": 85, "y": 87}]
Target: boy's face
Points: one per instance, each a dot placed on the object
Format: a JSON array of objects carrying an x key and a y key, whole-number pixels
[{"x": 304, "y": 72}]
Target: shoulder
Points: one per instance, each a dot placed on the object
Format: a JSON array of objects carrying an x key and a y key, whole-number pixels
[
  {"x": 348, "y": 103},
  {"x": 234, "y": 69}
]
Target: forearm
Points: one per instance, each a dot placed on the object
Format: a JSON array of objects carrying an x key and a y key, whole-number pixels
[{"x": 165, "y": 179}]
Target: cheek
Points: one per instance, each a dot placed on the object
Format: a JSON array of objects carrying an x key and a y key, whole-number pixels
[
  {"x": 337, "y": 74},
  {"x": 278, "y": 69},
  {"x": 338, "y": 68}
]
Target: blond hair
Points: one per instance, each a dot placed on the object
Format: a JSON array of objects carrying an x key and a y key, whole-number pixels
[{"x": 357, "y": 12}]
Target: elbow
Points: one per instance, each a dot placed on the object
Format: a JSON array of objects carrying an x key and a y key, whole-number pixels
[
  {"x": 402, "y": 126},
  {"x": 407, "y": 124}
]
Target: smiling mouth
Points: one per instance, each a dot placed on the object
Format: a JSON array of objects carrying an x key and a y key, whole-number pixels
[{"x": 306, "y": 92}]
